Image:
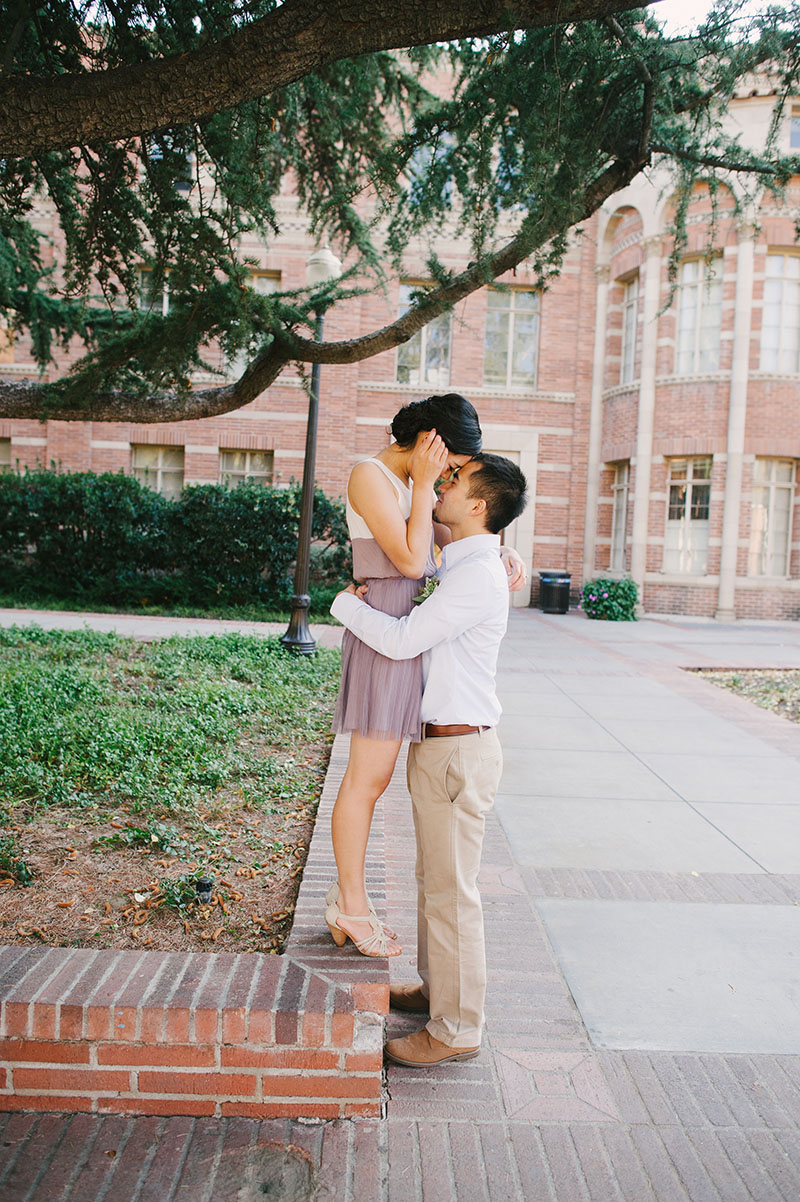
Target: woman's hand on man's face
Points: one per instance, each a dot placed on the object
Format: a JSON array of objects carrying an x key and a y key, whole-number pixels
[{"x": 428, "y": 460}]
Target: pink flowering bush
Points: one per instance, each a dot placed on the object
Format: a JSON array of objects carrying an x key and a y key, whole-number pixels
[{"x": 614, "y": 600}]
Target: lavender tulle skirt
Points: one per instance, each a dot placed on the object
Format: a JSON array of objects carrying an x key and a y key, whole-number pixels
[{"x": 379, "y": 697}]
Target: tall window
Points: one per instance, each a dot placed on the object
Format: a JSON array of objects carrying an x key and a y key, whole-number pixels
[
  {"x": 238, "y": 466},
  {"x": 5, "y": 454},
  {"x": 699, "y": 316},
  {"x": 780, "y": 328},
  {"x": 630, "y": 302},
  {"x": 771, "y": 517},
  {"x": 511, "y": 344},
  {"x": 160, "y": 468},
  {"x": 425, "y": 358},
  {"x": 619, "y": 516},
  {"x": 686, "y": 548}
]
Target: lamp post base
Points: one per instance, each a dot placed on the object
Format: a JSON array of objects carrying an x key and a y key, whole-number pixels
[{"x": 298, "y": 637}]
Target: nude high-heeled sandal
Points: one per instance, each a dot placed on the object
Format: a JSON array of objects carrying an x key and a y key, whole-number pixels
[
  {"x": 376, "y": 945},
  {"x": 332, "y": 899}
]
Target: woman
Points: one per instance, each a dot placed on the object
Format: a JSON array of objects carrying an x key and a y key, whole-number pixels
[{"x": 389, "y": 514}]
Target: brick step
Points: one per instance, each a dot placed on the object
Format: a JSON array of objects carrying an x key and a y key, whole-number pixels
[
  {"x": 160, "y": 1033},
  {"x": 167, "y": 1033}
]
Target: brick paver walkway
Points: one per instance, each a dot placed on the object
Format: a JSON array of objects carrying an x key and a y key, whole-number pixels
[{"x": 616, "y": 802}]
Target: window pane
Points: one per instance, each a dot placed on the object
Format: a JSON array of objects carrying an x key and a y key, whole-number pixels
[
  {"x": 495, "y": 352},
  {"x": 144, "y": 456},
  {"x": 437, "y": 350},
  {"x": 780, "y": 330},
  {"x": 261, "y": 462},
  {"x": 5, "y": 454},
  {"x": 233, "y": 461},
  {"x": 172, "y": 457},
  {"x": 677, "y": 501},
  {"x": 526, "y": 331},
  {"x": 699, "y": 317},
  {"x": 171, "y": 484},
  {"x": 498, "y": 300},
  {"x": 794, "y": 131},
  {"x": 701, "y": 469},
  {"x": 408, "y": 360},
  {"x": 701, "y": 494},
  {"x": 629, "y": 314},
  {"x": 771, "y": 517},
  {"x": 527, "y": 300}
]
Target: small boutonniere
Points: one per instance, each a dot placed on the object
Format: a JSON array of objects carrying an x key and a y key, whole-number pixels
[{"x": 428, "y": 590}]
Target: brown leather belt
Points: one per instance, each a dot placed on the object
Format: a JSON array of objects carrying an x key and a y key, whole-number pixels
[{"x": 442, "y": 732}]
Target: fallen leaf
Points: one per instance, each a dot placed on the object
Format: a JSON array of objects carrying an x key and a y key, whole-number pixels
[{"x": 66, "y": 905}]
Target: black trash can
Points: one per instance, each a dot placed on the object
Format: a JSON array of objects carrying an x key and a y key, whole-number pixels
[{"x": 554, "y": 592}]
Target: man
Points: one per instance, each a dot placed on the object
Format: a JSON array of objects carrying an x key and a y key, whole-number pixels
[{"x": 453, "y": 773}]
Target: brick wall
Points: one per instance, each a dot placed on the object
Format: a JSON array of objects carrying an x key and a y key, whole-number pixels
[{"x": 166, "y": 1033}]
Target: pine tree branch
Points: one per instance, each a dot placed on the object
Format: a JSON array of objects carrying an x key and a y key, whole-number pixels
[
  {"x": 718, "y": 163},
  {"x": 24, "y": 400},
  {"x": 39, "y": 114}
]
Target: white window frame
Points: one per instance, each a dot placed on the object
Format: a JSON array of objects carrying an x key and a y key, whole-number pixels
[
  {"x": 780, "y": 314},
  {"x": 230, "y": 477},
  {"x": 630, "y": 327},
  {"x": 5, "y": 454},
  {"x": 686, "y": 542},
  {"x": 423, "y": 375},
  {"x": 517, "y": 343},
  {"x": 763, "y": 553},
  {"x": 154, "y": 475},
  {"x": 619, "y": 516},
  {"x": 699, "y": 317}
]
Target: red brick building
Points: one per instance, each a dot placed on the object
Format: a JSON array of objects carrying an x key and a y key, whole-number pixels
[{"x": 658, "y": 423}]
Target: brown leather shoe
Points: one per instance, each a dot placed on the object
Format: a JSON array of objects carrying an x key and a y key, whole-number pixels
[
  {"x": 409, "y": 997},
  {"x": 421, "y": 1050}
]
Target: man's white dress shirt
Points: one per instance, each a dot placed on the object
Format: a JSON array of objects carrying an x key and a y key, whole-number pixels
[{"x": 458, "y": 630}]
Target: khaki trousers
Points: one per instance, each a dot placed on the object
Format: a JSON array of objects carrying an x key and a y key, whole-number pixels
[{"x": 452, "y": 782}]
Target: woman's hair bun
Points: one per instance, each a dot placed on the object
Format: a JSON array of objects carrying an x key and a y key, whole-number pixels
[{"x": 451, "y": 416}]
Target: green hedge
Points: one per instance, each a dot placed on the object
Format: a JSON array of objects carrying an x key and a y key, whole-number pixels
[{"x": 109, "y": 539}]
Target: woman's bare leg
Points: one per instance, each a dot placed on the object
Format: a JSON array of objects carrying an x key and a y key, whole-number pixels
[{"x": 369, "y": 770}]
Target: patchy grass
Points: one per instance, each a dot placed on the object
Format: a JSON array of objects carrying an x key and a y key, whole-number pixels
[
  {"x": 776, "y": 689},
  {"x": 130, "y": 770}
]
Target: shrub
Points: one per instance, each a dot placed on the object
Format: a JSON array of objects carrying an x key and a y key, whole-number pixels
[
  {"x": 109, "y": 539},
  {"x": 614, "y": 600}
]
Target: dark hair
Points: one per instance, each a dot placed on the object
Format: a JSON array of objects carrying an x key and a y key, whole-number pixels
[
  {"x": 451, "y": 416},
  {"x": 501, "y": 484}
]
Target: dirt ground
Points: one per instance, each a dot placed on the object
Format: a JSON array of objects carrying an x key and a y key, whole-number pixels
[{"x": 86, "y": 892}]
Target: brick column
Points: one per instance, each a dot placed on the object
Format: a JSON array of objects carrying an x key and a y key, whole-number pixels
[
  {"x": 602, "y": 274},
  {"x": 646, "y": 412},
  {"x": 737, "y": 416}
]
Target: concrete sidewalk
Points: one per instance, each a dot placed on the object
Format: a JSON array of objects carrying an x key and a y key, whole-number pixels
[{"x": 641, "y": 883}]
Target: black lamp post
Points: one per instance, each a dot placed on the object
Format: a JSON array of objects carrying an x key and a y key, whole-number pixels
[{"x": 321, "y": 267}]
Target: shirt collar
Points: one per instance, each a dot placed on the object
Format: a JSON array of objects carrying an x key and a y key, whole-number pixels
[{"x": 454, "y": 552}]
